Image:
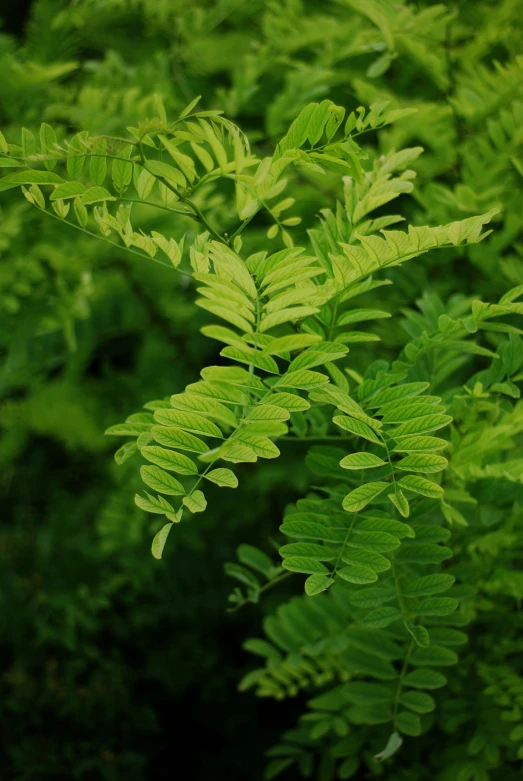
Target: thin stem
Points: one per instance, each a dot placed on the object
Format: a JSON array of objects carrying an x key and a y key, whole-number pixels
[
  {"x": 399, "y": 595},
  {"x": 242, "y": 227},
  {"x": 201, "y": 476},
  {"x": 334, "y": 315},
  {"x": 256, "y": 336},
  {"x": 203, "y": 220},
  {"x": 345, "y": 541},
  {"x": 392, "y": 472},
  {"x": 400, "y": 682},
  {"x": 113, "y": 243},
  {"x": 183, "y": 199},
  {"x": 266, "y": 587},
  {"x": 117, "y": 138},
  {"x": 183, "y": 212},
  {"x": 255, "y": 195}
]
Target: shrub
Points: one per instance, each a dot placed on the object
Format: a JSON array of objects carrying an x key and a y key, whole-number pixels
[{"x": 383, "y": 362}]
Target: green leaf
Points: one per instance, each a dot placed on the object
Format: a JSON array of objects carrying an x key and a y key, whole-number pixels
[
  {"x": 244, "y": 575},
  {"x": 289, "y": 401},
  {"x": 416, "y": 444},
  {"x": 29, "y": 177},
  {"x": 423, "y": 554},
  {"x": 421, "y": 425},
  {"x": 394, "y": 743},
  {"x": 379, "y": 66},
  {"x": 359, "y": 498},
  {"x": 507, "y": 389},
  {"x": 379, "y": 523},
  {"x": 418, "y": 633},
  {"x": 297, "y": 133},
  {"x": 47, "y": 144},
  {"x": 405, "y": 391},
  {"x": 188, "y": 109},
  {"x": 330, "y": 394},
  {"x": 159, "y": 480},
  {"x": 363, "y": 693},
  {"x": 206, "y": 406},
  {"x": 302, "y": 379},
  {"x": 159, "y": 541},
  {"x": 256, "y": 559},
  {"x": 125, "y": 452},
  {"x": 399, "y": 501},
  {"x": 189, "y": 421},
  {"x": 170, "y": 459},
  {"x": 319, "y": 355},
  {"x": 285, "y": 344},
  {"x": 236, "y": 453},
  {"x": 76, "y": 160},
  {"x": 95, "y": 195},
  {"x": 67, "y": 190},
  {"x": 361, "y": 461},
  {"x": 225, "y": 313},
  {"x": 128, "y": 429},
  {"x": 400, "y": 413},
  {"x": 437, "y": 606},
  {"x": 356, "y": 427},
  {"x": 222, "y": 477},
  {"x": 517, "y": 733},
  {"x": 425, "y": 679},
  {"x": 383, "y": 616},
  {"x": 372, "y": 597},
  {"x": 268, "y": 428},
  {"x": 80, "y": 212},
  {"x": 176, "y": 437},
  {"x": 304, "y": 564},
  {"x": 267, "y": 412},
  {"x": 422, "y": 463},
  {"x": 429, "y": 584},
  {"x": 357, "y": 574},
  {"x": 408, "y": 723},
  {"x": 28, "y": 143},
  {"x": 419, "y": 485},
  {"x": 250, "y": 357},
  {"x": 152, "y": 504},
  {"x": 261, "y": 445},
  {"x": 311, "y": 530},
  {"x": 380, "y": 542},
  {"x": 183, "y": 161},
  {"x": 419, "y": 702},
  {"x": 144, "y": 183},
  {"x": 361, "y": 315},
  {"x": 122, "y": 171},
  {"x": 98, "y": 163},
  {"x": 446, "y": 636},
  {"x": 366, "y": 558},
  {"x": 315, "y": 584},
  {"x": 195, "y": 502},
  {"x": 317, "y": 121},
  {"x": 436, "y": 655},
  {"x": 166, "y": 172},
  {"x": 286, "y": 316}
]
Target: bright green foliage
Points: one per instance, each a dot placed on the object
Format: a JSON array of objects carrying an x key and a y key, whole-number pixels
[{"x": 381, "y": 363}]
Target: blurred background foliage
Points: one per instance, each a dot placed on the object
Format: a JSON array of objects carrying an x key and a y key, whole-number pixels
[{"x": 115, "y": 665}]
